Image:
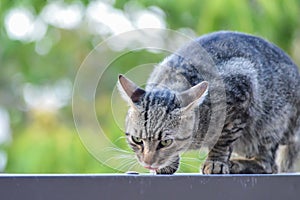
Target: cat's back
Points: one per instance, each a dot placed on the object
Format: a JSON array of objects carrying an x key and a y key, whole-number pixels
[
  {"x": 225, "y": 45},
  {"x": 234, "y": 54},
  {"x": 272, "y": 75},
  {"x": 245, "y": 51}
]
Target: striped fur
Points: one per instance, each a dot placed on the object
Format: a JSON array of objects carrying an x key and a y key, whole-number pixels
[{"x": 261, "y": 101}]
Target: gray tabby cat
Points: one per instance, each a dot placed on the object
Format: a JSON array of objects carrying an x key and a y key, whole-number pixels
[{"x": 261, "y": 98}]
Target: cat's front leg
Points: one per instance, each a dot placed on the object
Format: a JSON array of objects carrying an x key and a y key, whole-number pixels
[
  {"x": 215, "y": 167},
  {"x": 171, "y": 169},
  {"x": 217, "y": 161}
]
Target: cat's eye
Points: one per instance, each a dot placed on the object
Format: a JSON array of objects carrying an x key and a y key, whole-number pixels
[
  {"x": 137, "y": 140},
  {"x": 165, "y": 143}
]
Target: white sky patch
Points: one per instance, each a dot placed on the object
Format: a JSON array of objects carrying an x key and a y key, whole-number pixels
[
  {"x": 149, "y": 19},
  {"x": 65, "y": 16},
  {"x": 101, "y": 16},
  {"x": 5, "y": 132},
  {"x": 21, "y": 24},
  {"x": 3, "y": 160},
  {"x": 105, "y": 19},
  {"x": 48, "y": 98}
]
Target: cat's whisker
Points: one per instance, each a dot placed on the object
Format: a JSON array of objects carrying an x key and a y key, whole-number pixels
[
  {"x": 191, "y": 159},
  {"x": 119, "y": 157},
  {"x": 123, "y": 161},
  {"x": 108, "y": 160},
  {"x": 122, "y": 167},
  {"x": 132, "y": 155},
  {"x": 200, "y": 157},
  {"x": 127, "y": 157},
  {"x": 179, "y": 170},
  {"x": 119, "y": 138},
  {"x": 133, "y": 166},
  {"x": 117, "y": 149},
  {"x": 189, "y": 165}
]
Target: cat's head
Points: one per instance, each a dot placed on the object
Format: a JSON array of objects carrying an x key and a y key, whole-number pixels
[{"x": 159, "y": 123}]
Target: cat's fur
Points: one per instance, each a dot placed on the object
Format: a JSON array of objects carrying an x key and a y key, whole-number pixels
[{"x": 260, "y": 91}]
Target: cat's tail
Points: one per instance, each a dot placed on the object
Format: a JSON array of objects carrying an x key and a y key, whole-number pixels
[
  {"x": 287, "y": 156},
  {"x": 289, "y": 151}
]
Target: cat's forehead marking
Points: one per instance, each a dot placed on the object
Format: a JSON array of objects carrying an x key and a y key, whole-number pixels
[
  {"x": 159, "y": 98},
  {"x": 156, "y": 105}
]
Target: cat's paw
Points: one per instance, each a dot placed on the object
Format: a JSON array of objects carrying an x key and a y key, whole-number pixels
[
  {"x": 166, "y": 170},
  {"x": 215, "y": 167},
  {"x": 171, "y": 169}
]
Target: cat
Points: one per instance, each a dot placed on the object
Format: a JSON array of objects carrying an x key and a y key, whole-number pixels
[{"x": 236, "y": 93}]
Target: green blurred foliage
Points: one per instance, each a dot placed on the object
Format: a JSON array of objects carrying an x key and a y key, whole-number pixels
[
  {"x": 47, "y": 142},
  {"x": 47, "y": 146},
  {"x": 277, "y": 20}
]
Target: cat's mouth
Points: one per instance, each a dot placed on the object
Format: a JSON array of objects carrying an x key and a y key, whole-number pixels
[{"x": 151, "y": 168}]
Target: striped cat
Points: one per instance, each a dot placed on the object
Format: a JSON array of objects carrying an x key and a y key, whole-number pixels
[{"x": 252, "y": 82}]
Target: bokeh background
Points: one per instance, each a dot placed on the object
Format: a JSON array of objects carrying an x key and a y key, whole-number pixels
[{"x": 43, "y": 43}]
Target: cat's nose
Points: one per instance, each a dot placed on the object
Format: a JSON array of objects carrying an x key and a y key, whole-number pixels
[{"x": 148, "y": 158}]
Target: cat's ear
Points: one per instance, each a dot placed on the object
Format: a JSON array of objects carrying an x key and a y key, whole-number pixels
[
  {"x": 129, "y": 90},
  {"x": 193, "y": 96}
]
